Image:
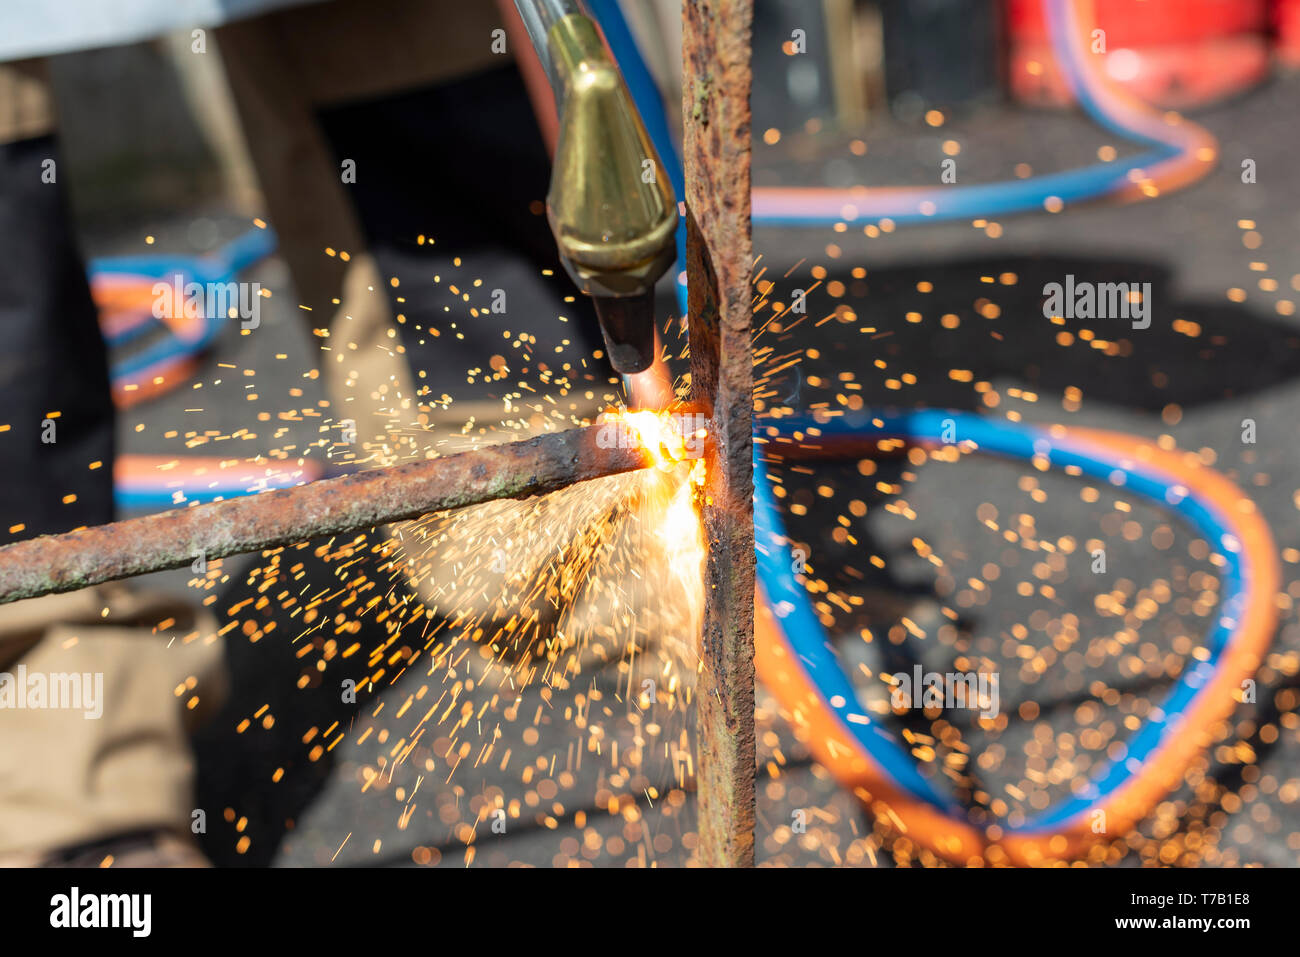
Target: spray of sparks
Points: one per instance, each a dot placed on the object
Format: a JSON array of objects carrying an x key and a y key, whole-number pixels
[{"x": 502, "y": 624}]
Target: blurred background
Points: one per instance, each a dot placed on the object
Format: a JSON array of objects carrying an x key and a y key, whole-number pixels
[{"x": 846, "y": 93}]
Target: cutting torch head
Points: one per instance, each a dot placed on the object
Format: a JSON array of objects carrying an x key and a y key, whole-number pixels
[{"x": 610, "y": 203}]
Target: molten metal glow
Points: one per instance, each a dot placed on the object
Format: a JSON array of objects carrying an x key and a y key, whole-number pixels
[{"x": 672, "y": 495}]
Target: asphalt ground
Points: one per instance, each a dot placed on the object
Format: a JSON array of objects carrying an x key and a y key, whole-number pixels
[{"x": 275, "y": 796}]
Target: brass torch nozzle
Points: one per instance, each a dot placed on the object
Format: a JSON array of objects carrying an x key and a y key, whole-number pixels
[{"x": 610, "y": 204}]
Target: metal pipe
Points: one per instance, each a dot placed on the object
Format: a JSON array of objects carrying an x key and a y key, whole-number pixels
[
  {"x": 538, "y": 17},
  {"x": 172, "y": 539}
]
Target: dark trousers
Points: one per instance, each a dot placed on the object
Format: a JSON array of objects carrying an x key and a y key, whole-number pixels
[{"x": 55, "y": 401}]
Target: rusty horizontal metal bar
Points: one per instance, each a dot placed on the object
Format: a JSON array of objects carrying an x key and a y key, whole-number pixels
[{"x": 172, "y": 539}]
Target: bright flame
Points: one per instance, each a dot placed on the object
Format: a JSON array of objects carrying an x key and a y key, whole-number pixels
[
  {"x": 673, "y": 494},
  {"x": 681, "y": 535},
  {"x": 659, "y": 434}
]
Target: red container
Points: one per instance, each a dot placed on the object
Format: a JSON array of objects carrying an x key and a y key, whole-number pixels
[
  {"x": 1286, "y": 30},
  {"x": 1177, "y": 54}
]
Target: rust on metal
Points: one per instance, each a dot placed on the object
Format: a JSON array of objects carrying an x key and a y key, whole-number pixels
[
  {"x": 719, "y": 259},
  {"x": 90, "y": 556}
]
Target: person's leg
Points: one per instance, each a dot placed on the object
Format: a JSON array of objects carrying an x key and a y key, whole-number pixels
[
  {"x": 56, "y": 412},
  {"x": 118, "y": 762},
  {"x": 341, "y": 290},
  {"x": 282, "y": 94},
  {"x": 115, "y": 771},
  {"x": 441, "y": 131}
]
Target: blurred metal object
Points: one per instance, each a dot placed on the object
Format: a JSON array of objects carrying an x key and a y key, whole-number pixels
[
  {"x": 610, "y": 203},
  {"x": 538, "y": 17}
]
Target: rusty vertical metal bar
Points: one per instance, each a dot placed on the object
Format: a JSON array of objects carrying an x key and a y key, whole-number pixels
[{"x": 716, "y": 83}]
